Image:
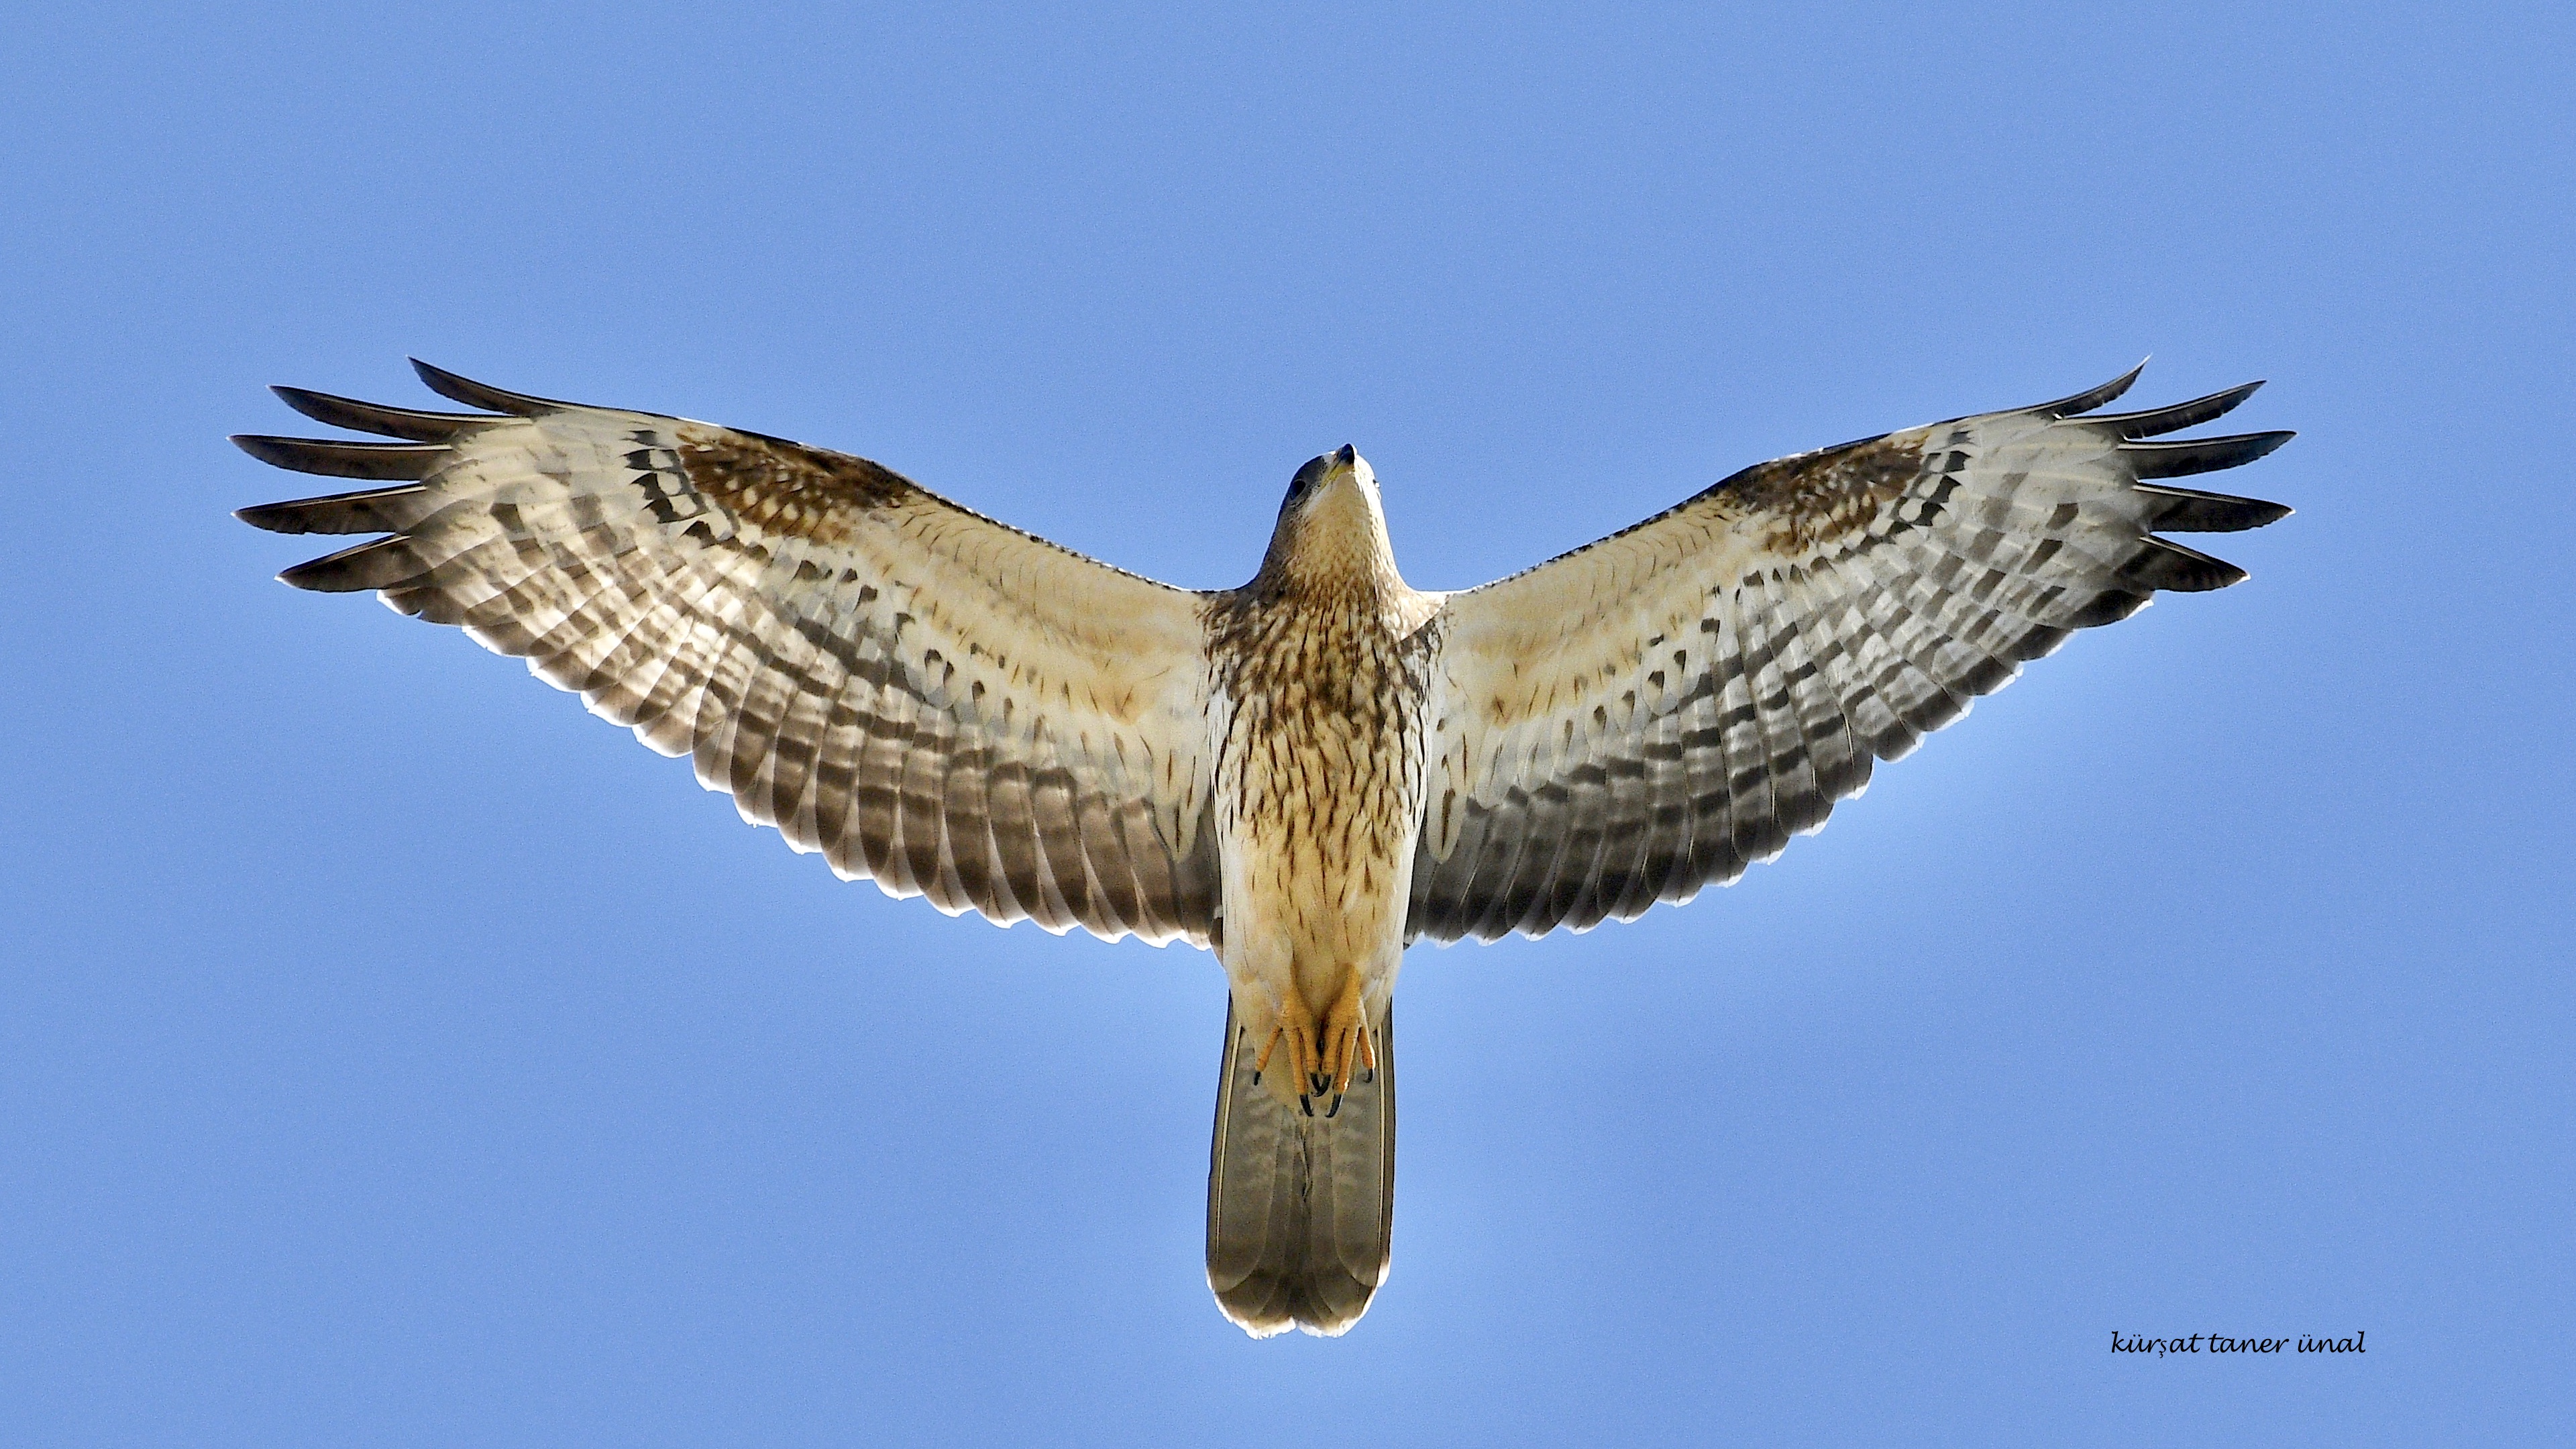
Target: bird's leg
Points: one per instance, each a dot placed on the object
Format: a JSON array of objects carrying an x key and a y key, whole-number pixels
[
  {"x": 1294, "y": 1024},
  {"x": 1346, "y": 1043}
]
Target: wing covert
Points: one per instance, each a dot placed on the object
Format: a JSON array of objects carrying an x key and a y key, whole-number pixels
[{"x": 928, "y": 698}]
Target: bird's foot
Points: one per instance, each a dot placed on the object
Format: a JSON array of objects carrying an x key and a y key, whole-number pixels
[
  {"x": 1294, "y": 1025},
  {"x": 1346, "y": 1042}
]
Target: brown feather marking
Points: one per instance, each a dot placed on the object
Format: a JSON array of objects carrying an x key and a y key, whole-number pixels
[
  {"x": 785, "y": 488},
  {"x": 1817, "y": 499}
]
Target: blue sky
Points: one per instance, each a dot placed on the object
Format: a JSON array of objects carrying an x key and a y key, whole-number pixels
[{"x": 394, "y": 1054}]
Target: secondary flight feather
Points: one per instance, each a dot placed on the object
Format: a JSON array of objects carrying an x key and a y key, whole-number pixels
[{"x": 1303, "y": 775}]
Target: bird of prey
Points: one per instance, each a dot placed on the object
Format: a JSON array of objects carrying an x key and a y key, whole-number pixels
[{"x": 1304, "y": 775}]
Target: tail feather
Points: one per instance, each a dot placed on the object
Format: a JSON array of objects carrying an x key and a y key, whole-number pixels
[{"x": 1299, "y": 1207}]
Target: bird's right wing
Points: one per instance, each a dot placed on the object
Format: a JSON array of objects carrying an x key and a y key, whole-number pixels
[
  {"x": 946, "y": 705},
  {"x": 1642, "y": 717}
]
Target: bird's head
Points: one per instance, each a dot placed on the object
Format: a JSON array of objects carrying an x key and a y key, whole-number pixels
[
  {"x": 1331, "y": 528},
  {"x": 1325, "y": 476}
]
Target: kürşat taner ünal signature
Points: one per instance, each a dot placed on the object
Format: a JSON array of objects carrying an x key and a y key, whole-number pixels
[{"x": 2221, "y": 1343}]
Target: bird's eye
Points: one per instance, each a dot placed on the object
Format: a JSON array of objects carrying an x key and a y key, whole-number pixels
[{"x": 1305, "y": 479}]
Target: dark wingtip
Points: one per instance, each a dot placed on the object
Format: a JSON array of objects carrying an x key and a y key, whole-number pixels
[
  {"x": 2163, "y": 564},
  {"x": 371, "y": 510},
  {"x": 383, "y": 462},
  {"x": 273, "y": 517},
  {"x": 2199, "y": 455},
  {"x": 2188, "y": 510},
  {"x": 2091, "y": 398},
  {"x": 2177, "y": 417},
  {"x": 392, "y": 422},
  {"x": 376, "y": 565},
  {"x": 480, "y": 395}
]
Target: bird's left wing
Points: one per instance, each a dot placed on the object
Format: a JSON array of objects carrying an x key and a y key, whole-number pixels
[
  {"x": 1644, "y": 716},
  {"x": 949, "y": 706}
]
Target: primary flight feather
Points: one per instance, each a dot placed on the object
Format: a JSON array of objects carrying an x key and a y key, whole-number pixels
[{"x": 1303, "y": 775}]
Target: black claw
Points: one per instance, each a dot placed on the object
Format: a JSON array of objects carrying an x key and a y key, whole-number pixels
[
  {"x": 1336, "y": 1107},
  {"x": 1256, "y": 1079},
  {"x": 1372, "y": 1075},
  {"x": 1305, "y": 1106}
]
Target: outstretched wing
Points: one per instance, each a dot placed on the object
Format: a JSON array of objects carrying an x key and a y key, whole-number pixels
[
  {"x": 931, "y": 699},
  {"x": 1636, "y": 719}
]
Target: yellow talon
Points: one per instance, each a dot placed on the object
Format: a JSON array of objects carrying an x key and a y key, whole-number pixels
[
  {"x": 1346, "y": 1035},
  {"x": 1323, "y": 1057},
  {"x": 1295, "y": 1025}
]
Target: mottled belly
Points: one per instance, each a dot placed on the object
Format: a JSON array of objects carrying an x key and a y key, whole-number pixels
[{"x": 1317, "y": 823}]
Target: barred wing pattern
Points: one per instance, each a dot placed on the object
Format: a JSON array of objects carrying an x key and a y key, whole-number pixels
[
  {"x": 936, "y": 701},
  {"x": 1639, "y": 718}
]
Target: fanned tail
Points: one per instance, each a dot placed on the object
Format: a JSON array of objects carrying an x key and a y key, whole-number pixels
[{"x": 1299, "y": 1207}]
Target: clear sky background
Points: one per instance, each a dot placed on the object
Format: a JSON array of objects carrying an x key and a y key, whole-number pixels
[{"x": 392, "y": 1054}]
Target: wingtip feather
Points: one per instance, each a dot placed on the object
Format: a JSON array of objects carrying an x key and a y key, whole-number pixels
[
  {"x": 2091, "y": 398},
  {"x": 2182, "y": 458},
  {"x": 482, "y": 395},
  {"x": 380, "y": 563},
  {"x": 2175, "y": 418},
  {"x": 372, "y": 510},
  {"x": 380, "y": 462},
  {"x": 2188, "y": 510},
  {"x": 2163, "y": 564},
  {"x": 392, "y": 422}
]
